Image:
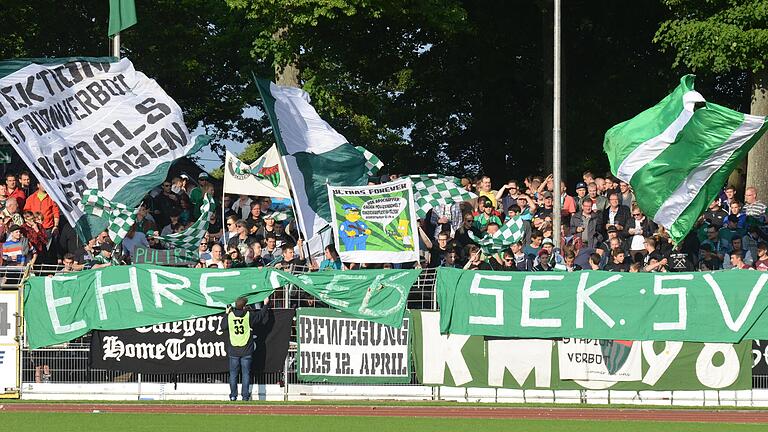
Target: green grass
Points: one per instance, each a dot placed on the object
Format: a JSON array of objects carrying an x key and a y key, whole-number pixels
[
  {"x": 63, "y": 422},
  {"x": 393, "y": 403}
]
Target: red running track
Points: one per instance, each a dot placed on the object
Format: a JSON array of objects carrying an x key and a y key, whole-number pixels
[{"x": 668, "y": 415}]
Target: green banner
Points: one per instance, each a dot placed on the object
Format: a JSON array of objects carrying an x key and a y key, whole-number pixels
[
  {"x": 472, "y": 361},
  {"x": 375, "y": 224},
  {"x": 339, "y": 348},
  {"x": 722, "y": 306},
  {"x": 65, "y": 306},
  {"x": 166, "y": 257}
]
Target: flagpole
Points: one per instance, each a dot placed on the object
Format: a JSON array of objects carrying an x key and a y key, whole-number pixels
[
  {"x": 223, "y": 212},
  {"x": 116, "y": 45},
  {"x": 556, "y": 172},
  {"x": 291, "y": 187}
]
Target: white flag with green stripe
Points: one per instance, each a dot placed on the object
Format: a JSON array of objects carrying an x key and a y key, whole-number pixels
[
  {"x": 91, "y": 123},
  {"x": 678, "y": 154},
  {"x": 313, "y": 154}
]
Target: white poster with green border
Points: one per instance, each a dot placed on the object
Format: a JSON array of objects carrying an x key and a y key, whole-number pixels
[
  {"x": 336, "y": 347},
  {"x": 375, "y": 224}
]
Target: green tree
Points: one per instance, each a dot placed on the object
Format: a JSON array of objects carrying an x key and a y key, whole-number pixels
[
  {"x": 725, "y": 36},
  {"x": 199, "y": 51}
]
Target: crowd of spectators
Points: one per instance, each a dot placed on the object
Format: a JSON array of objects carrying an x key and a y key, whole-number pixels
[{"x": 602, "y": 229}]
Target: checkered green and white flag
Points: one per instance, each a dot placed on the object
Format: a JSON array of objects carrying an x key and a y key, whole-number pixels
[
  {"x": 432, "y": 190},
  {"x": 372, "y": 163},
  {"x": 189, "y": 239},
  {"x": 510, "y": 232},
  {"x": 119, "y": 217}
]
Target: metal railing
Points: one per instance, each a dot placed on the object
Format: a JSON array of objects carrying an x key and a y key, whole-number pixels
[{"x": 69, "y": 363}]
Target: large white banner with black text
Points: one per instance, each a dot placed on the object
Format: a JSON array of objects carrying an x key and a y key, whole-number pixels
[{"x": 92, "y": 125}]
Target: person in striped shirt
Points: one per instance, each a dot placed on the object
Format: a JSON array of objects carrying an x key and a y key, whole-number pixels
[
  {"x": 16, "y": 251},
  {"x": 753, "y": 207}
]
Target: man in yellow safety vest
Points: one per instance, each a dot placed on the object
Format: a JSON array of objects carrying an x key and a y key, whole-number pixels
[{"x": 241, "y": 320}]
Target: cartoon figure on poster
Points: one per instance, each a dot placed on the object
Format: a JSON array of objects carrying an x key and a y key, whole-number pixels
[
  {"x": 353, "y": 232},
  {"x": 402, "y": 233}
]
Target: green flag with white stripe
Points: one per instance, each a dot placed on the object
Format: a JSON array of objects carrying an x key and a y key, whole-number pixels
[
  {"x": 313, "y": 154},
  {"x": 678, "y": 154}
]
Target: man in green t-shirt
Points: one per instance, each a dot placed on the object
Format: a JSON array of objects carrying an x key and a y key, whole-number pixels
[
  {"x": 486, "y": 216},
  {"x": 196, "y": 195}
]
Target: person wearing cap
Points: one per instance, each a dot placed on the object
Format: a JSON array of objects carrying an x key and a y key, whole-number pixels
[
  {"x": 715, "y": 215},
  {"x": 196, "y": 195},
  {"x": 612, "y": 241},
  {"x": 268, "y": 227},
  {"x": 486, "y": 215},
  {"x": 626, "y": 196},
  {"x": 16, "y": 250},
  {"x": 552, "y": 254},
  {"x": 542, "y": 263},
  {"x": 103, "y": 258},
  {"x": 180, "y": 184},
  {"x": 581, "y": 194}
]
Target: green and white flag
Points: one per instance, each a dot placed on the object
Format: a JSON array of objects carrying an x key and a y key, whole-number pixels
[
  {"x": 314, "y": 155},
  {"x": 119, "y": 217},
  {"x": 122, "y": 14},
  {"x": 372, "y": 163},
  {"x": 263, "y": 177},
  {"x": 432, "y": 190},
  {"x": 510, "y": 232},
  {"x": 189, "y": 239},
  {"x": 677, "y": 156},
  {"x": 89, "y": 123}
]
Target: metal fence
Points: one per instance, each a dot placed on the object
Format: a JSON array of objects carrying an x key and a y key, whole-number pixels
[{"x": 69, "y": 363}]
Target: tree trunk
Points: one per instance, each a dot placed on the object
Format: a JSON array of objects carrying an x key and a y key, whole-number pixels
[
  {"x": 286, "y": 74},
  {"x": 757, "y": 165}
]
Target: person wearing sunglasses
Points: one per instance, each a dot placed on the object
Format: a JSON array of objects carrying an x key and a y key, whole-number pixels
[{"x": 639, "y": 228}]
